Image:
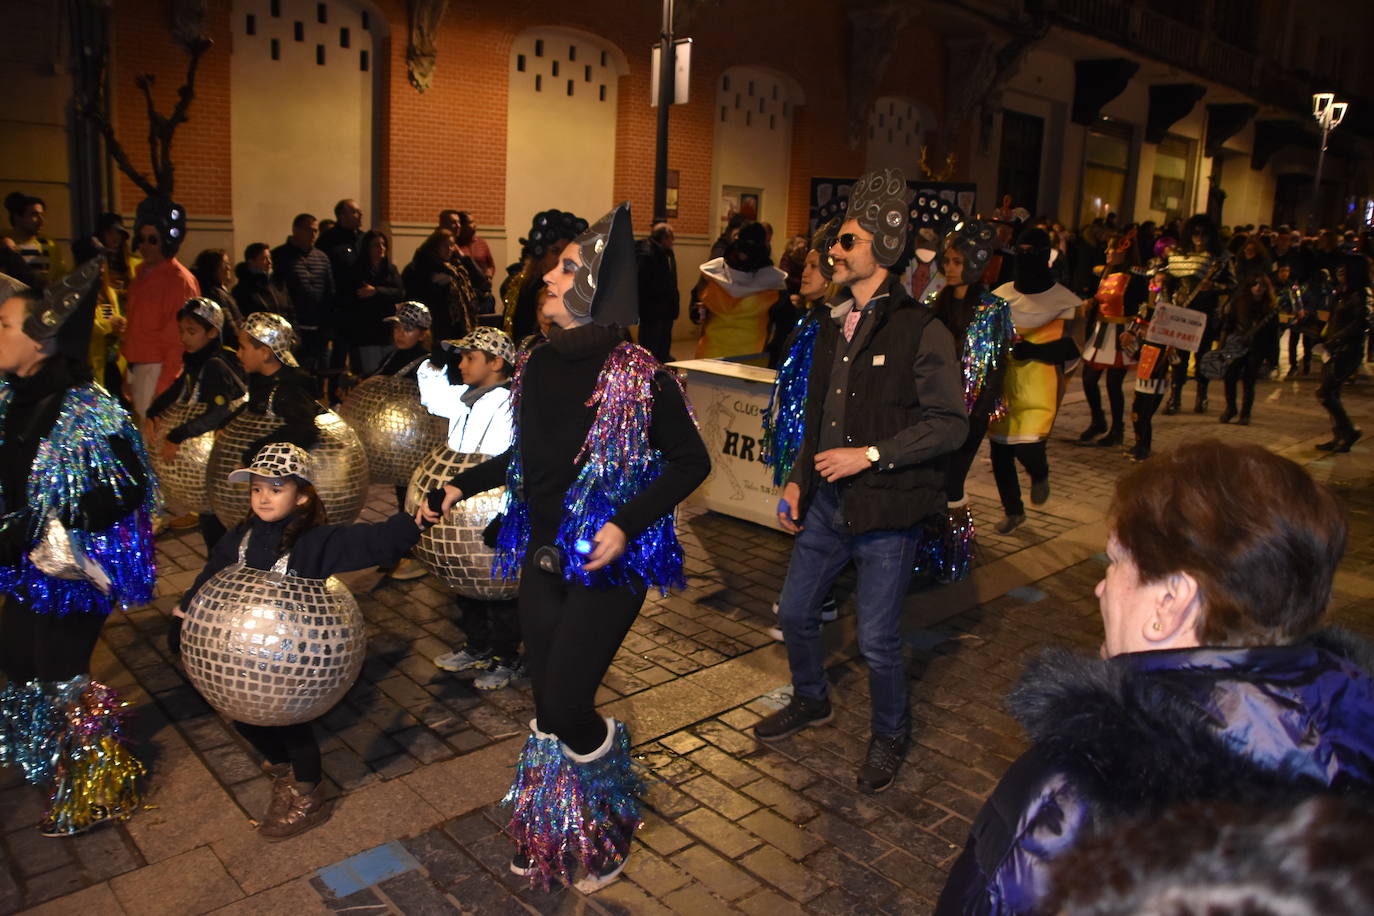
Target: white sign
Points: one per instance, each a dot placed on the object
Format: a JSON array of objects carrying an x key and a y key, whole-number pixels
[
  {"x": 729, "y": 400},
  {"x": 682, "y": 72},
  {"x": 1177, "y": 327}
]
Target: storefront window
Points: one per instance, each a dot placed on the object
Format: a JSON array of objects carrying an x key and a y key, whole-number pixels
[
  {"x": 1106, "y": 164},
  {"x": 1169, "y": 189}
]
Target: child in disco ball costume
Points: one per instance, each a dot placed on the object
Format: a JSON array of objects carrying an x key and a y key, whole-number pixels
[
  {"x": 286, "y": 531},
  {"x": 211, "y": 376},
  {"x": 604, "y": 449},
  {"x": 75, "y": 543}
]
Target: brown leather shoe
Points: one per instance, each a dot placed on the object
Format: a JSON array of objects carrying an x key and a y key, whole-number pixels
[
  {"x": 306, "y": 808},
  {"x": 281, "y": 791}
]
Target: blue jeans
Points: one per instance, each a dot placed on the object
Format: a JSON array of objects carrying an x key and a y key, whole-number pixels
[{"x": 885, "y": 560}]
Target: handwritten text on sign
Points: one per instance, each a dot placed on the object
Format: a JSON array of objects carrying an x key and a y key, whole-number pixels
[{"x": 1177, "y": 327}]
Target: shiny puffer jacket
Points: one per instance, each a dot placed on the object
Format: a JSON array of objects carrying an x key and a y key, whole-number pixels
[{"x": 1127, "y": 737}]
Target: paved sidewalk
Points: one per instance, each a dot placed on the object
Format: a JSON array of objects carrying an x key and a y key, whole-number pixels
[{"x": 419, "y": 758}]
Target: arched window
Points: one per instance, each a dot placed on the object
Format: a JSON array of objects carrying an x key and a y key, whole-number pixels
[
  {"x": 301, "y": 111},
  {"x": 561, "y": 126},
  {"x": 753, "y": 144}
]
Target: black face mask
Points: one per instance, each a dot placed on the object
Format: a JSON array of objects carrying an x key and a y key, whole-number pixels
[{"x": 1032, "y": 271}]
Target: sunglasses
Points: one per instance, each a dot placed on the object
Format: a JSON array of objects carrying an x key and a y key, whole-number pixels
[
  {"x": 849, "y": 240},
  {"x": 148, "y": 239}
]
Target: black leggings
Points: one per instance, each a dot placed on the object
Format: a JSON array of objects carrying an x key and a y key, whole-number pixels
[
  {"x": 293, "y": 744},
  {"x": 1335, "y": 373},
  {"x": 46, "y": 647},
  {"x": 1143, "y": 409},
  {"x": 1033, "y": 458},
  {"x": 1179, "y": 373},
  {"x": 572, "y": 633},
  {"x": 956, "y": 472},
  {"x": 1093, "y": 395},
  {"x": 211, "y": 530},
  {"x": 1244, "y": 370}
]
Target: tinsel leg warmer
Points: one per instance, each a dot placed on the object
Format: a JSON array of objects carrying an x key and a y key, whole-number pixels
[
  {"x": 68, "y": 734},
  {"x": 574, "y": 812},
  {"x": 946, "y": 553}
]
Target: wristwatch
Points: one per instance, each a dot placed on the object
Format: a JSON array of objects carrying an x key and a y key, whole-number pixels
[{"x": 871, "y": 453}]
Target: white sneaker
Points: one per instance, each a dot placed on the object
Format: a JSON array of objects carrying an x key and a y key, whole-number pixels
[
  {"x": 497, "y": 676},
  {"x": 463, "y": 660}
]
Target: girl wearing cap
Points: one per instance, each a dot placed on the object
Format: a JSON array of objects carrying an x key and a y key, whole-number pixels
[
  {"x": 77, "y": 497},
  {"x": 604, "y": 449},
  {"x": 285, "y": 516},
  {"x": 479, "y": 423},
  {"x": 210, "y": 375}
]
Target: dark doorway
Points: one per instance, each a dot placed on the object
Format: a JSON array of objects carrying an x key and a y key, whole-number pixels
[{"x": 1018, "y": 165}]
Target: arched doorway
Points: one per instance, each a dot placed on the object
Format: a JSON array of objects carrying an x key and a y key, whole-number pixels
[
  {"x": 301, "y": 112},
  {"x": 753, "y": 146},
  {"x": 561, "y": 126}
]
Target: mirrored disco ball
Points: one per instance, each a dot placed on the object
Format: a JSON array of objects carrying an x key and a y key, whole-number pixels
[
  {"x": 394, "y": 427},
  {"x": 453, "y": 549},
  {"x": 340, "y": 471},
  {"x": 183, "y": 478},
  {"x": 269, "y": 649}
]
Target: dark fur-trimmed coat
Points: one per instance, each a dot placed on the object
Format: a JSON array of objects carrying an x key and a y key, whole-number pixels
[{"x": 1128, "y": 737}]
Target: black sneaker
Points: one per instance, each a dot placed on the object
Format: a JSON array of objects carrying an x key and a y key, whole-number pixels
[
  {"x": 885, "y": 756},
  {"x": 521, "y": 864},
  {"x": 792, "y": 718}
]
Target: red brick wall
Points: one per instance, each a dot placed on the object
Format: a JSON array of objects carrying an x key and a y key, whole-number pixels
[
  {"x": 143, "y": 43},
  {"x": 447, "y": 146}
]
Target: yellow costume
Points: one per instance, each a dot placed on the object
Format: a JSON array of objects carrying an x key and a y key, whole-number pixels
[
  {"x": 1033, "y": 389},
  {"x": 738, "y": 302}
]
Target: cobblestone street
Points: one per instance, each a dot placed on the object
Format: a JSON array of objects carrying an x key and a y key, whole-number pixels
[{"x": 419, "y": 758}]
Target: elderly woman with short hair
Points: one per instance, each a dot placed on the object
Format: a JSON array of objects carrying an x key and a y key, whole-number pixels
[{"x": 1213, "y": 684}]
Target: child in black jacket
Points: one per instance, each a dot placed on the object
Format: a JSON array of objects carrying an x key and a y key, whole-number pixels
[
  {"x": 287, "y": 518},
  {"x": 210, "y": 375}
]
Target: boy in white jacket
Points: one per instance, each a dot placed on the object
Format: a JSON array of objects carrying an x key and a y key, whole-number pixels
[{"x": 479, "y": 418}]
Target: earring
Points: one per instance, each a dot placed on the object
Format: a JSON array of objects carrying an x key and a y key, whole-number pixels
[{"x": 1156, "y": 626}]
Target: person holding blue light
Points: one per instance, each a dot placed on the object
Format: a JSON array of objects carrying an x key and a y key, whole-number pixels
[{"x": 604, "y": 449}]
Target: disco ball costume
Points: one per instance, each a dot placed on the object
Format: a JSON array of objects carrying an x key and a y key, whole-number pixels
[
  {"x": 271, "y": 648},
  {"x": 75, "y": 543},
  {"x": 395, "y": 429}
]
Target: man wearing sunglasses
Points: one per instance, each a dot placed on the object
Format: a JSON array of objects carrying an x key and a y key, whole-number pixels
[
  {"x": 884, "y": 409},
  {"x": 152, "y": 341}
]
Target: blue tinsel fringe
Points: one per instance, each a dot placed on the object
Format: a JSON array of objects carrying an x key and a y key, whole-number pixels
[
  {"x": 784, "y": 420},
  {"x": 74, "y": 458},
  {"x": 617, "y": 463},
  {"x": 568, "y": 816}
]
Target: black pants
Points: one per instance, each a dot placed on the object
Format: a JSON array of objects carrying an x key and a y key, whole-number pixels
[
  {"x": 45, "y": 647},
  {"x": 1093, "y": 395},
  {"x": 1296, "y": 334},
  {"x": 571, "y": 635},
  {"x": 1143, "y": 409},
  {"x": 1336, "y": 373},
  {"x": 1033, "y": 458},
  {"x": 1244, "y": 371},
  {"x": 1179, "y": 373},
  {"x": 956, "y": 472},
  {"x": 313, "y": 355},
  {"x": 491, "y": 626},
  {"x": 293, "y": 744},
  {"x": 656, "y": 336}
]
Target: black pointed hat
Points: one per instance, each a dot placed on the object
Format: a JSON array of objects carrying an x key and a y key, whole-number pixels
[
  {"x": 67, "y": 310},
  {"x": 606, "y": 288}
]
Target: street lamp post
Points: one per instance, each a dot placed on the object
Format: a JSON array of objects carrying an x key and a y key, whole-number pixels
[
  {"x": 665, "y": 102},
  {"x": 1329, "y": 113}
]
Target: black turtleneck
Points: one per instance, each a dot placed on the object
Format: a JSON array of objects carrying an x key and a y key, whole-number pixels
[
  {"x": 288, "y": 392},
  {"x": 215, "y": 375},
  {"x": 33, "y": 410},
  {"x": 554, "y": 418},
  {"x": 317, "y": 553}
]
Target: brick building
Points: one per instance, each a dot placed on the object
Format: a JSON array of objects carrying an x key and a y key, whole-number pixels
[{"x": 302, "y": 102}]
